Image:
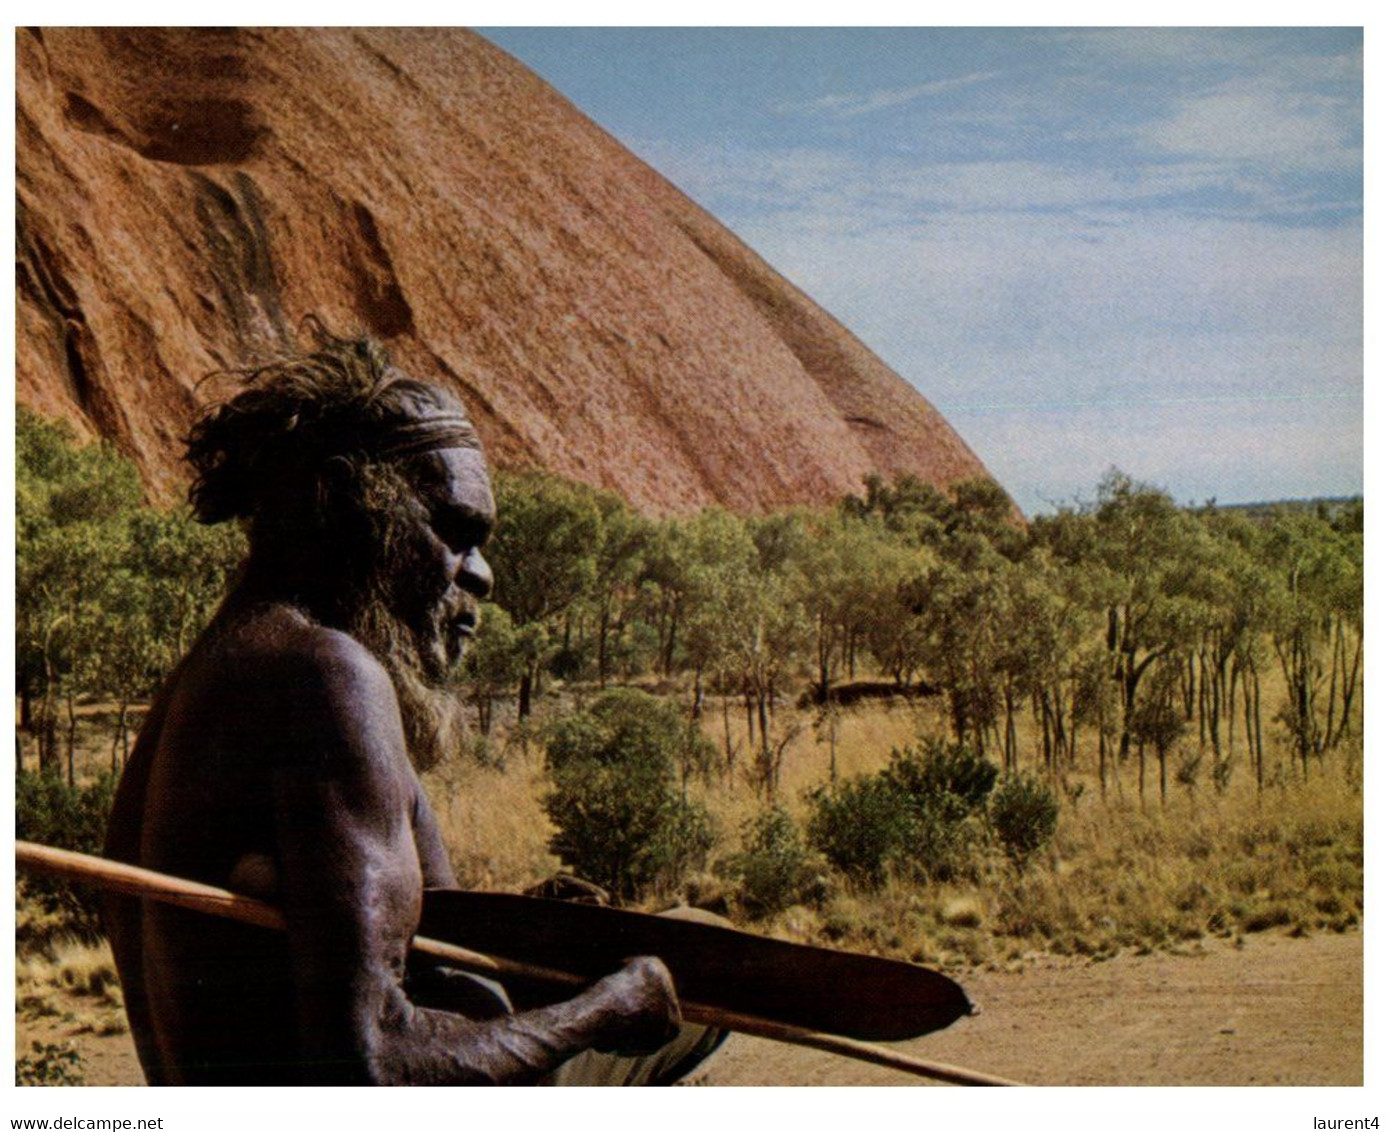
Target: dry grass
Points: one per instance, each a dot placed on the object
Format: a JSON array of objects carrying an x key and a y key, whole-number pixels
[
  {"x": 75, "y": 982},
  {"x": 493, "y": 821},
  {"x": 864, "y": 736}
]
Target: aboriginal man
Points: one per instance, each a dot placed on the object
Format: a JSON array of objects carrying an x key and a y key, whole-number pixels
[{"x": 277, "y": 761}]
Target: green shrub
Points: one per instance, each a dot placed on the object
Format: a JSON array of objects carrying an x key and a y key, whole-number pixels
[
  {"x": 775, "y": 870},
  {"x": 51, "y": 812},
  {"x": 620, "y": 816},
  {"x": 1023, "y": 814},
  {"x": 948, "y": 786},
  {"x": 859, "y": 824},
  {"x": 629, "y": 728},
  {"x": 938, "y": 845},
  {"x": 919, "y": 814},
  {"x": 953, "y": 780}
]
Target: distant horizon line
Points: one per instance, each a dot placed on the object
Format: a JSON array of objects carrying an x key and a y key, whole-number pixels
[
  {"x": 1130, "y": 402},
  {"x": 1285, "y": 501}
]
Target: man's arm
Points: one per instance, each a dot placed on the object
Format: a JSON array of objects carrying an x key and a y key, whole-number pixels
[{"x": 350, "y": 889}]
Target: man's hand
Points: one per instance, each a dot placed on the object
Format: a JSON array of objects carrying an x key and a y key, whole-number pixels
[{"x": 645, "y": 1013}]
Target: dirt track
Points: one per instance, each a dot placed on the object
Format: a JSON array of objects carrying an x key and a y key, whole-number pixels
[{"x": 1278, "y": 1011}]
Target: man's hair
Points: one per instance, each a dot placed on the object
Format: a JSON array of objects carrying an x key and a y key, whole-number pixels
[{"x": 343, "y": 402}]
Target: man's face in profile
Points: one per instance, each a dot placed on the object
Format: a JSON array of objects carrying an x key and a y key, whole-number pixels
[{"x": 436, "y": 573}]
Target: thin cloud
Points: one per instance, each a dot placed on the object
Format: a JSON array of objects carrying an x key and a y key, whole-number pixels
[
  {"x": 853, "y": 105},
  {"x": 1167, "y": 47},
  {"x": 1271, "y": 124},
  {"x": 1282, "y": 53},
  {"x": 857, "y": 189}
]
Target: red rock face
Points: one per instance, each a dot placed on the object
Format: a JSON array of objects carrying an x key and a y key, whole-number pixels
[{"x": 186, "y": 197}]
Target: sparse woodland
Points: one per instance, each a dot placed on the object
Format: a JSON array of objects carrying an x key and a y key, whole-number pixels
[{"x": 912, "y": 723}]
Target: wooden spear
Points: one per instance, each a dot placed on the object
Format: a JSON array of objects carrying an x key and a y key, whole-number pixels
[{"x": 130, "y": 880}]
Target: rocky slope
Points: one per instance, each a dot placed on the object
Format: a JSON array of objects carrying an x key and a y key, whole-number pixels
[{"x": 186, "y": 197}]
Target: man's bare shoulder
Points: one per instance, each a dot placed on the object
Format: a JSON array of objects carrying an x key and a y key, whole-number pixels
[
  {"x": 280, "y": 643},
  {"x": 309, "y": 683}
]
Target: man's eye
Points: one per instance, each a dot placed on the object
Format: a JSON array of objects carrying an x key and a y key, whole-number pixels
[{"x": 461, "y": 535}]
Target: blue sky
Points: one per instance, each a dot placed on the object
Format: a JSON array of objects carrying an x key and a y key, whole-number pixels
[{"x": 1088, "y": 248}]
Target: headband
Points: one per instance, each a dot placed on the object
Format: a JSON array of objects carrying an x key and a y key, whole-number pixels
[{"x": 425, "y": 436}]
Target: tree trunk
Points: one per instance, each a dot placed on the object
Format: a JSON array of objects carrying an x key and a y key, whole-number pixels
[
  {"x": 728, "y": 741},
  {"x": 825, "y": 651},
  {"x": 1218, "y": 685},
  {"x": 1247, "y": 703},
  {"x": 1259, "y": 736},
  {"x": 1059, "y": 723},
  {"x": 118, "y": 740},
  {"x": 1201, "y": 705},
  {"x": 1100, "y": 760},
  {"x": 1349, "y": 690},
  {"x": 1187, "y": 688},
  {"x": 603, "y": 646},
  {"x": 49, "y": 761},
  {"x": 668, "y": 653},
  {"x": 1338, "y": 644},
  {"x": 1010, "y": 734},
  {"x": 762, "y": 726},
  {"x": 71, "y": 700},
  {"x": 834, "y": 724},
  {"x": 1128, "y": 683},
  {"x": 1230, "y": 700}
]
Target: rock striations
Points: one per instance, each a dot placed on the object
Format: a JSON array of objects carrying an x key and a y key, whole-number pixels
[{"x": 186, "y": 197}]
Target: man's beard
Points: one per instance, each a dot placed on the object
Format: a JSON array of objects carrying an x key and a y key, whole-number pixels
[{"x": 432, "y": 713}]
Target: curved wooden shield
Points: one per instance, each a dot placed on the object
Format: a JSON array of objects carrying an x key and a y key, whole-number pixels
[{"x": 835, "y": 992}]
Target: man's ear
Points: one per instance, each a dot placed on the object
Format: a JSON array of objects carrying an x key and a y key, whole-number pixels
[{"x": 338, "y": 473}]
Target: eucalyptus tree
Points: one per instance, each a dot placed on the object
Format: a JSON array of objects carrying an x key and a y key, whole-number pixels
[
  {"x": 1144, "y": 554},
  {"x": 1316, "y": 628},
  {"x": 624, "y": 536},
  {"x": 1238, "y": 628},
  {"x": 744, "y": 624},
  {"x": 543, "y": 556},
  {"x": 186, "y": 568},
  {"x": 72, "y": 502},
  {"x": 711, "y": 566},
  {"x": 497, "y": 661},
  {"x": 967, "y": 622},
  {"x": 851, "y": 573},
  {"x": 1044, "y": 627}
]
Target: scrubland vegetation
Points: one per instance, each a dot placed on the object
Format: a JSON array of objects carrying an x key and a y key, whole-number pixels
[
  {"x": 1116, "y": 875},
  {"x": 912, "y": 723}
]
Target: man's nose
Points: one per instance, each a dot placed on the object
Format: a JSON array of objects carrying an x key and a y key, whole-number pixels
[{"x": 475, "y": 575}]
